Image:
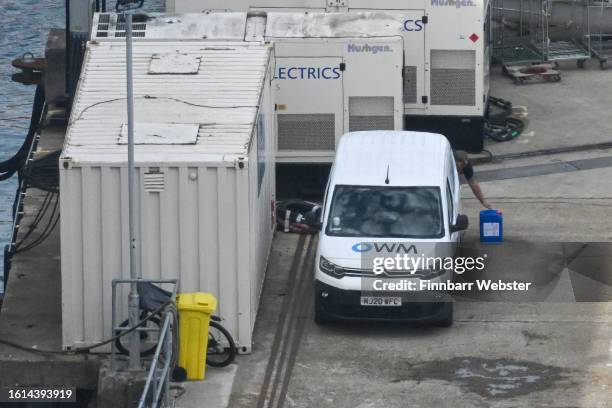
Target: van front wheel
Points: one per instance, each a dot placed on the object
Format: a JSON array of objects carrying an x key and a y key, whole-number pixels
[{"x": 447, "y": 319}]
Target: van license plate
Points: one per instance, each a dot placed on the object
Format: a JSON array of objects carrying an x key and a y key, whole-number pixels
[{"x": 380, "y": 301}]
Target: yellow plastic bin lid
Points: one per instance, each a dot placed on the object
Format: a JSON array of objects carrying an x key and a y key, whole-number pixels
[{"x": 197, "y": 301}]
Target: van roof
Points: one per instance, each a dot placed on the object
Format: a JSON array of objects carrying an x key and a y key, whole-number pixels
[{"x": 413, "y": 158}]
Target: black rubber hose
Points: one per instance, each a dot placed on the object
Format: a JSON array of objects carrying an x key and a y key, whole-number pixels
[
  {"x": 43, "y": 173},
  {"x": 9, "y": 167},
  {"x": 39, "y": 216},
  {"x": 502, "y": 126},
  {"x": 51, "y": 224},
  {"x": 86, "y": 350},
  {"x": 502, "y": 130}
]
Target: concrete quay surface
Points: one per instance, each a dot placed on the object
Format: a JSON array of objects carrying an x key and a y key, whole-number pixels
[
  {"x": 31, "y": 309},
  {"x": 553, "y": 350}
]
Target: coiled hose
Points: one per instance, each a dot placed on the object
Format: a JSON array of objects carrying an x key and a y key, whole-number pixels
[{"x": 502, "y": 126}]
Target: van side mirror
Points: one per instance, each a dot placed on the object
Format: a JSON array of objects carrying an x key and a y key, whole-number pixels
[
  {"x": 312, "y": 219},
  {"x": 460, "y": 224}
]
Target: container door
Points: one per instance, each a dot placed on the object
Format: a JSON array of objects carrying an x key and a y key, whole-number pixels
[
  {"x": 373, "y": 84},
  {"x": 413, "y": 29},
  {"x": 309, "y": 104}
]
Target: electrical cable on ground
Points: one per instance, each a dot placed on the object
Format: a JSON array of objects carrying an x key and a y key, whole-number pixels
[
  {"x": 86, "y": 350},
  {"x": 52, "y": 221},
  {"x": 39, "y": 216},
  {"x": 43, "y": 173}
]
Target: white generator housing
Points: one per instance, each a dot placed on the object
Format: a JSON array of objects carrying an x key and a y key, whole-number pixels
[
  {"x": 322, "y": 91},
  {"x": 446, "y": 50},
  {"x": 205, "y": 143}
]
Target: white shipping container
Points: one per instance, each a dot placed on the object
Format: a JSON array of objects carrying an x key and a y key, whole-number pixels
[{"x": 205, "y": 135}]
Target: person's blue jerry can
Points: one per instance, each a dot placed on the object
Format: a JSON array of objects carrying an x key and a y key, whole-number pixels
[{"x": 491, "y": 226}]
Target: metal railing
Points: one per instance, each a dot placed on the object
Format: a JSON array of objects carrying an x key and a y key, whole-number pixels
[
  {"x": 157, "y": 388},
  {"x": 116, "y": 328},
  {"x": 18, "y": 206}
]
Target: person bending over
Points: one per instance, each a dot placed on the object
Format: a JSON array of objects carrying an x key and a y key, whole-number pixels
[{"x": 465, "y": 167}]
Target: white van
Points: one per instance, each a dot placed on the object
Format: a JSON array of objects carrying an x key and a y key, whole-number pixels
[{"x": 389, "y": 193}]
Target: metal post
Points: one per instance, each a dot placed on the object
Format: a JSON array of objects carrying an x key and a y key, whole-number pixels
[
  {"x": 114, "y": 325},
  {"x": 133, "y": 298},
  {"x": 168, "y": 355}
]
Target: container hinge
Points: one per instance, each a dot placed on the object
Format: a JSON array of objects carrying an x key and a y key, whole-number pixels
[
  {"x": 424, "y": 99},
  {"x": 425, "y": 19},
  {"x": 342, "y": 66}
]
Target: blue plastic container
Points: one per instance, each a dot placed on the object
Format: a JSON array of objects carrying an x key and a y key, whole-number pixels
[{"x": 491, "y": 226}]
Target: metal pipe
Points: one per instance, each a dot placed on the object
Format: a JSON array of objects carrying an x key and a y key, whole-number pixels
[
  {"x": 163, "y": 345},
  {"x": 67, "y": 51},
  {"x": 168, "y": 354},
  {"x": 133, "y": 298},
  {"x": 113, "y": 362}
]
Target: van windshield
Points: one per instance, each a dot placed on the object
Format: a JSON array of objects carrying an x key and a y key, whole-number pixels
[{"x": 374, "y": 211}]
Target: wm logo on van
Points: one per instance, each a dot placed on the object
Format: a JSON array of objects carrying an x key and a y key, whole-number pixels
[{"x": 385, "y": 247}]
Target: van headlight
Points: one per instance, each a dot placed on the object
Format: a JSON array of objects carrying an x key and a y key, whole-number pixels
[{"x": 329, "y": 268}]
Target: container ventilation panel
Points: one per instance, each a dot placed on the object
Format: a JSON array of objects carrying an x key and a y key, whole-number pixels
[
  {"x": 306, "y": 132},
  {"x": 153, "y": 182},
  {"x": 453, "y": 77},
  {"x": 113, "y": 26},
  {"x": 370, "y": 113}
]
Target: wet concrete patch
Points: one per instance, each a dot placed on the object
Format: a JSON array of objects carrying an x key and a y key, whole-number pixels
[
  {"x": 532, "y": 337},
  {"x": 490, "y": 378}
]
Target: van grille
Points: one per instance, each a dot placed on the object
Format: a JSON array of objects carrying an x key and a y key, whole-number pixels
[{"x": 423, "y": 274}]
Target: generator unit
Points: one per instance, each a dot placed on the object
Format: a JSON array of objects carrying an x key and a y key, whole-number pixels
[
  {"x": 325, "y": 87},
  {"x": 446, "y": 44}
]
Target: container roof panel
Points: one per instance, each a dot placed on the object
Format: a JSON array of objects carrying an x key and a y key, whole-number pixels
[{"x": 214, "y": 109}]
